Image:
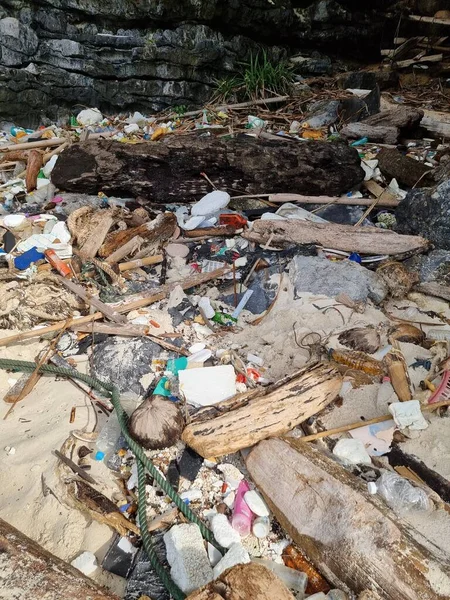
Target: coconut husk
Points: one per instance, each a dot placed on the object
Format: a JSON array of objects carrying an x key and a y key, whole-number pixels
[
  {"x": 157, "y": 423},
  {"x": 363, "y": 339},
  {"x": 398, "y": 373}
]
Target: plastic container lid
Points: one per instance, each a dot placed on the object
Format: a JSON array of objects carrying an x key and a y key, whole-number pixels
[{"x": 372, "y": 487}]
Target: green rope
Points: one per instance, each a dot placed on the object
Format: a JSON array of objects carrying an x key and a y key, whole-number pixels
[
  {"x": 142, "y": 462},
  {"x": 170, "y": 586}
]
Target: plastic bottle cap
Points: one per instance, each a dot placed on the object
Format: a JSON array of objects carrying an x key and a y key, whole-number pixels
[
  {"x": 99, "y": 455},
  {"x": 386, "y": 379},
  {"x": 372, "y": 487}
]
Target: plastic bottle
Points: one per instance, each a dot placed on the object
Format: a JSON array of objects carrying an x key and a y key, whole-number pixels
[
  {"x": 107, "y": 438},
  {"x": 385, "y": 394},
  {"x": 242, "y": 516},
  {"x": 292, "y": 579},
  {"x": 399, "y": 493},
  {"x": 261, "y": 527}
]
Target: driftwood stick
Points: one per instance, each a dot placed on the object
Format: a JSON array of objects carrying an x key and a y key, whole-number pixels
[
  {"x": 141, "y": 262},
  {"x": 39, "y": 144},
  {"x": 367, "y": 240},
  {"x": 157, "y": 294},
  {"x": 434, "y": 289},
  {"x": 279, "y": 198},
  {"x": 106, "y": 310}
]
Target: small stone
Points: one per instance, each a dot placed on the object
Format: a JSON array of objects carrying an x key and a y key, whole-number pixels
[
  {"x": 85, "y": 562},
  {"x": 223, "y": 531},
  {"x": 256, "y": 504},
  {"x": 236, "y": 555},
  {"x": 10, "y": 450},
  {"x": 177, "y": 250}
]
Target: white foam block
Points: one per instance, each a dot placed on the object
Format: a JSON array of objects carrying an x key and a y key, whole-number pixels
[{"x": 209, "y": 385}]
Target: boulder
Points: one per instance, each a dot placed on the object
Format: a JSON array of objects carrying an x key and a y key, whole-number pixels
[
  {"x": 321, "y": 276},
  {"x": 427, "y": 212}
]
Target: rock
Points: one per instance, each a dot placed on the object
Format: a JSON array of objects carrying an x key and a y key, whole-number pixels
[
  {"x": 321, "y": 276},
  {"x": 357, "y": 108},
  {"x": 169, "y": 169},
  {"x": 223, "y": 531},
  {"x": 305, "y": 65},
  {"x": 236, "y": 555},
  {"x": 127, "y": 55},
  {"x": 427, "y": 211},
  {"x": 368, "y": 80},
  {"x": 187, "y": 556},
  {"x": 434, "y": 266},
  {"x": 124, "y": 361}
]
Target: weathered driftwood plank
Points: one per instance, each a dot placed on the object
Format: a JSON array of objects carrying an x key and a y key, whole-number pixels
[
  {"x": 407, "y": 171},
  {"x": 368, "y": 240},
  {"x": 272, "y": 414},
  {"x": 96, "y": 237},
  {"x": 29, "y": 571},
  {"x": 353, "y": 538},
  {"x": 385, "y": 201}
]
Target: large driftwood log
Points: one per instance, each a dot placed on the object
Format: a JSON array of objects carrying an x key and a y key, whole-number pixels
[
  {"x": 169, "y": 170},
  {"x": 29, "y": 571},
  {"x": 352, "y": 537},
  {"x": 273, "y": 414},
  {"x": 366, "y": 240},
  {"x": 383, "y": 134},
  {"x": 403, "y": 117},
  {"x": 244, "y": 582}
]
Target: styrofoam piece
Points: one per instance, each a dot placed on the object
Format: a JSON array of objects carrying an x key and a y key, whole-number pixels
[
  {"x": 352, "y": 451},
  {"x": 197, "y": 347},
  {"x": 89, "y": 116},
  {"x": 200, "y": 357},
  {"x": 187, "y": 556},
  {"x": 207, "y": 386},
  {"x": 236, "y": 555},
  {"x": 85, "y": 562},
  {"x": 211, "y": 203},
  {"x": 205, "y": 304},
  {"x": 224, "y": 533}
]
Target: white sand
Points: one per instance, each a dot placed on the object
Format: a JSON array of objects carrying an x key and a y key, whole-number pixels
[{"x": 39, "y": 425}]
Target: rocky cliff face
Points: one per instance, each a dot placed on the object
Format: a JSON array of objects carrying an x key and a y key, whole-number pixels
[{"x": 59, "y": 55}]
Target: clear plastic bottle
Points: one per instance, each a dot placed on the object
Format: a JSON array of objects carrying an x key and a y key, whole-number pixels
[
  {"x": 292, "y": 579},
  {"x": 107, "y": 438},
  {"x": 242, "y": 516},
  {"x": 400, "y": 494}
]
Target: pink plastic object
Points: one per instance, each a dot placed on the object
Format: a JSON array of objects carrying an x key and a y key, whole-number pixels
[
  {"x": 242, "y": 516},
  {"x": 443, "y": 391},
  {"x": 58, "y": 199}
]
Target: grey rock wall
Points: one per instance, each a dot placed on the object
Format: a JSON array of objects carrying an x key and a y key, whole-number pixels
[{"x": 57, "y": 56}]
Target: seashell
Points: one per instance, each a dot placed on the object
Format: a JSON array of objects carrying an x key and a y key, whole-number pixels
[
  {"x": 404, "y": 332},
  {"x": 363, "y": 339},
  {"x": 157, "y": 423}
]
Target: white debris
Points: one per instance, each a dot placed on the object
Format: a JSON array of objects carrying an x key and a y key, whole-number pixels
[
  {"x": 236, "y": 555},
  {"x": 187, "y": 556},
  {"x": 89, "y": 116},
  {"x": 352, "y": 451},
  {"x": 231, "y": 474},
  {"x": 211, "y": 203},
  {"x": 85, "y": 562},
  {"x": 223, "y": 531},
  {"x": 206, "y": 386},
  {"x": 131, "y": 128},
  {"x": 192, "y": 495},
  {"x": 408, "y": 414},
  {"x": 256, "y": 504}
]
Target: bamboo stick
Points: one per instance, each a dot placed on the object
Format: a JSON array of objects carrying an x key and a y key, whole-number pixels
[
  {"x": 344, "y": 428},
  {"x": 39, "y": 144},
  {"x": 141, "y": 262}
]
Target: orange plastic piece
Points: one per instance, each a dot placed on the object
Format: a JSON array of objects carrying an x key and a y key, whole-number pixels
[
  {"x": 236, "y": 221},
  {"x": 313, "y": 134},
  {"x": 158, "y": 133},
  {"x": 57, "y": 263},
  {"x": 295, "y": 559}
]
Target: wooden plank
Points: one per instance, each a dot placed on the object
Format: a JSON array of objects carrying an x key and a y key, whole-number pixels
[
  {"x": 434, "y": 289},
  {"x": 367, "y": 240},
  {"x": 353, "y": 538},
  {"x": 432, "y": 58},
  {"x": 266, "y": 416},
  {"x": 141, "y": 262},
  {"x": 29, "y": 571},
  {"x": 96, "y": 237}
]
